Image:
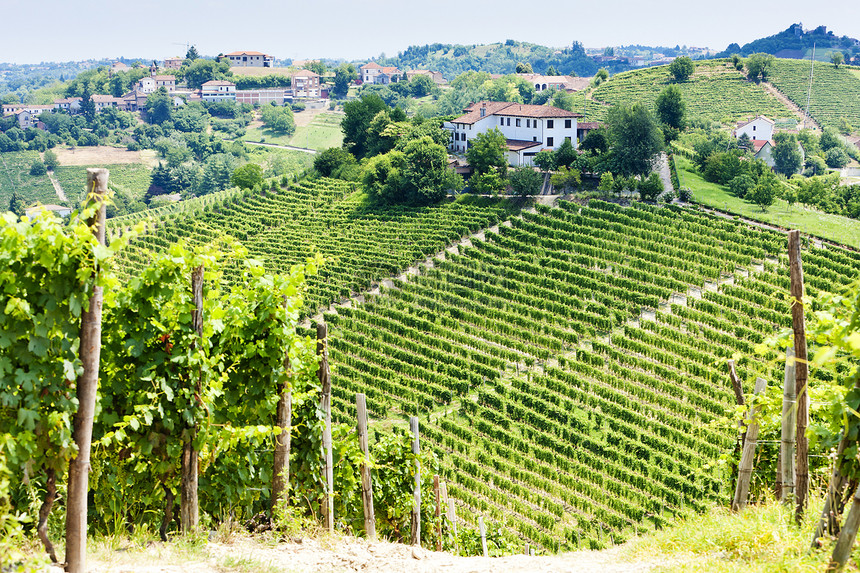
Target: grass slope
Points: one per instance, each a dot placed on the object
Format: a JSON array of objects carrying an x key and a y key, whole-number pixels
[
  {"x": 15, "y": 176},
  {"x": 130, "y": 179},
  {"x": 833, "y": 227},
  {"x": 834, "y": 90},
  {"x": 715, "y": 92},
  {"x": 321, "y": 133}
]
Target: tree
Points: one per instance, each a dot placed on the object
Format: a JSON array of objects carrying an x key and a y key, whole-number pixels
[
  {"x": 38, "y": 168},
  {"x": 278, "y": 119},
  {"x": 829, "y": 139},
  {"x": 317, "y": 67},
  {"x": 650, "y": 188},
  {"x": 201, "y": 71},
  {"x": 836, "y": 157},
  {"x": 88, "y": 108},
  {"x": 815, "y": 165},
  {"x": 487, "y": 151},
  {"x": 427, "y": 177},
  {"x": 837, "y": 58},
  {"x": 17, "y": 204},
  {"x": 330, "y": 160},
  {"x": 786, "y": 154},
  {"x": 551, "y": 71},
  {"x": 247, "y": 176},
  {"x": 525, "y": 181},
  {"x": 607, "y": 182},
  {"x": 421, "y": 85},
  {"x": 671, "y": 108},
  {"x": 741, "y": 185},
  {"x": 565, "y": 155},
  {"x": 545, "y": 160},
  {"x": 489, "y": 183},
  {"x": 343, "y": 76},
  {"x": 159, "y": 106},
  {"x": 601, "y": 76},
  {"x": 563, "y": 100},
  {"x": 51, "y": 161},
  {"x": 595, "y": 141},
  {"x": 635, "y": 139},
  {"x": 357, "y": 117},
  {"x": 192, "y": 53},
  {"x": 764, "y": 193},
  {"x": 682, "y": 68},
  {"x": 524, "y": 68},
  {"x": 758, "y": 66},
  {"x": 216, "y": 173}
]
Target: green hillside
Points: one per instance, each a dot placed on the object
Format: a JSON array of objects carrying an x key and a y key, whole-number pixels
[
  {"x": 556, "y": 407},
  {"x": 15, "y": 176},
  {"x": 715, "y": 92},
  {"x": 835, "y": 91}
]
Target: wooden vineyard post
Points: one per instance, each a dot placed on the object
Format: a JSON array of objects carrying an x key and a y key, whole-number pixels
[
  {"x": 745, "y": 467},
  {"x": 188, "y": 504},
  {"x": 87, "y": 388},
  {"x": 416, "y": 492},
  {"x": 438, "y": 495},
  {"x": 483, "y": 535},
  {"x": 452, "y": 516},
  {"x": 789, "y": 414},
  {"x": 845, "y": 543},
  {"x": 284, "y": 421},
  {"x": 325, "y": 382},
  {"x": 366, "y": 484},
  {"x": 801, "y": 372}
]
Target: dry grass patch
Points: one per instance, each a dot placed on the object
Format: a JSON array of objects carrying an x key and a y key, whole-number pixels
[{"x": 103, "y": 155}]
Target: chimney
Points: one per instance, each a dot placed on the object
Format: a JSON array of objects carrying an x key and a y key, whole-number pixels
[{"x": 484, "y": 109}]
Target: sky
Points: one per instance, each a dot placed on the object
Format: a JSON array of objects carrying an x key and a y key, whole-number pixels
[{"x": 363, "y": 29}]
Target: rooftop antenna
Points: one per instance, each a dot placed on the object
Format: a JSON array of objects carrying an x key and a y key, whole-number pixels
[{"x": 809, "y": 91}]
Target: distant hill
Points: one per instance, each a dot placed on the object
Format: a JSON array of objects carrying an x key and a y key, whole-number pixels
[
  {"x": 795, "y": 42},
  {"x": 499, "y": 58}
]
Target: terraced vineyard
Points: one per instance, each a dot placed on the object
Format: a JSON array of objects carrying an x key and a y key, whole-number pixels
[
  {"x": 716, "y": 92},
  {"x": 834, "y": 90},
  {"x": 559, "y": 410},
  {"x": 557, "y": 407},
  {"x": 361, "y": 243}
]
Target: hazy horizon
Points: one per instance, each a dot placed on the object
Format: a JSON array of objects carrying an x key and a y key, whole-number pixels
[{"x": 95, "y": 30}]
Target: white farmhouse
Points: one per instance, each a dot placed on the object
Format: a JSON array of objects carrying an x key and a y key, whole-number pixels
[
  {"x": 218, "y": 90},
  {"x": 758, "y": 129},
  {"x": 528, "y": 129}
]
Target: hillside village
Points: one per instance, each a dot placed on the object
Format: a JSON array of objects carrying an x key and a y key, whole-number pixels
[{"x": 508, "y": 321}]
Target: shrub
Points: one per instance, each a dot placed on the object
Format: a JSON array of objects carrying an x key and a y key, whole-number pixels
[
  {"x": 836, "y": 158},
  {"x": 38, "y": 168}
]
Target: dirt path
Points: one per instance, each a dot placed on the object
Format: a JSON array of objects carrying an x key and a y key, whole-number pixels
[
  {"x": 790, "y": 105},
  {"x": 303, "y": 149},
  {"x": 59, "y": 190},
  {"x": 665, "y": 174},
  {"x": 347, "y": 554}
]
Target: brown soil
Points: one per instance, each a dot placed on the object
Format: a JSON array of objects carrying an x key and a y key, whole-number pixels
[
  {"x": 102, "y": 155},
  {"x": 345, "y": 554}
]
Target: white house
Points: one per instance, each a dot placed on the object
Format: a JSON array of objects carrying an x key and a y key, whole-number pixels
[
  {"x": 69, "y": 104},
  {"x": 218, "y": 90},
  {"x": 758, "y": 129},
  {"x": 566, "y": 83},
  {"x": 250, "y": 59},
  {"x": 528, "y": 129},
  {"x": 59, "y": 210},
  {"x": 763, "y": 149},
  {"x": 373, "y": 73}
]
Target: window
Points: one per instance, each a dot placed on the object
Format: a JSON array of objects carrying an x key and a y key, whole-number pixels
[
  {"x": 567, "y": 124},
  {"x": 549, "y": 142},
  {"x": 528, "y": 123},
  {"x": 534, "y": 138},
  {"x": 509, "y": 122},
  {"x": 549, "y": 124},
  {"x": 518, "y": 122}
]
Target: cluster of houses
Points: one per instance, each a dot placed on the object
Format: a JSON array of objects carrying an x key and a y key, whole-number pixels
[{"x": 373, "y": 73}]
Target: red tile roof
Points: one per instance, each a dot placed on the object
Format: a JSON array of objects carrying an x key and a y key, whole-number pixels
[
  {"x": 306, "y": 73},
  {"x": 218, "y": 83},
  {"x": 165, "y": 78},
  {"x": 371, "y": 66},
  {"x": 519, "y": 144},
  {"x": 248, "y": 54},
  {"x": 390, "y": 70},
  {"x": 758, "y": 144},
  {"x": 588, "y": 125}
]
